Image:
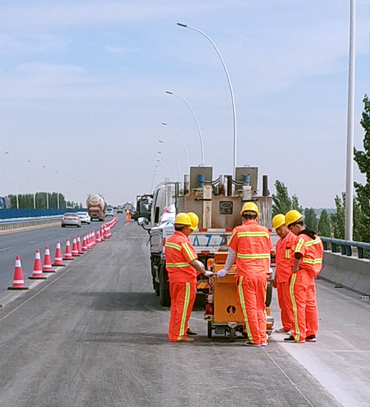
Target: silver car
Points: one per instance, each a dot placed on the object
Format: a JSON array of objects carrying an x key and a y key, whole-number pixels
[
  {"x": 71, "y": 219},
  {"x": 85, "y": 217}
]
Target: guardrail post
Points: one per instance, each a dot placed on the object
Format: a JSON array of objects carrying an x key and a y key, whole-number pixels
[
  {"x": 360, "y": 252},
  {"x": 334, "y": 248},
  {"x": 343, "y": 249},
  {"x": 348, "y": 250}
]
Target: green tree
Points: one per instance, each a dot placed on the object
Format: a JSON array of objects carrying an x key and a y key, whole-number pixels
[
  {"x": 324, "y": 227},
  {"x": 337, "y": 219},
  {"x": 295, "y": 204},
  {"x": 310, "y": 219},
  {"x": 362, "y": 159},
  {"x": 281, "y": 201}
]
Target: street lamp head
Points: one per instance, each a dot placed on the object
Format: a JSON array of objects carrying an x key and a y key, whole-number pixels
[
  {"x": 164, "y": 124},
  {"x": 170, "y": 93},
  {"x": 160, "y": 141},
  {"x": 159, "y": 152},
  {"x": 182, "y": 25}
]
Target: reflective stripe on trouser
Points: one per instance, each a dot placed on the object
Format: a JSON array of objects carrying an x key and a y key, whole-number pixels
[
  {"x": 287, "y": 319},
  {"x": 252, "y": 292},
  {"x": 303, "y": 305},
  {"x": 182, "y": 301}
]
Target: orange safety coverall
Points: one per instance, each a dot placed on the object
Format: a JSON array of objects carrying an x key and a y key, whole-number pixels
[
  {"x": 128, "y": 216},
  {"x": 253, "y": 245},
  {"x": 182, "y": 276},
  {"x": 303, "y": 304},
  {"x": 282, "y": 278}
]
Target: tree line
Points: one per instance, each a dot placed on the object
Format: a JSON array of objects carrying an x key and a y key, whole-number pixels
[
  {"x": 42, "y": 200},
  {"x": 332, "y": 225}
]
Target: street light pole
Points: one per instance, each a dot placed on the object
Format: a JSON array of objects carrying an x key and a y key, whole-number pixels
[
  {"x": 230, "y": 88},
  {"x": 350, "y": 124},
  {"x": 174, "y": 153},
  {"x": 183, "y": 142},
  {"x": 196, "y": 121}
]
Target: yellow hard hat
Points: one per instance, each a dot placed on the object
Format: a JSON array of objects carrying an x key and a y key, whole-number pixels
[
  {"x": 292, "y": 217},
  {"x": 249, "y": 207},
  {"x": 194, "y": 220},
  {"x": 278, "y": 220},
  {"x": 183, "y": 219}
]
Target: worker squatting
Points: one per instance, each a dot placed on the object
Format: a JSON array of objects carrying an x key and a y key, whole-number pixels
[{"x": 298, "y": 260}]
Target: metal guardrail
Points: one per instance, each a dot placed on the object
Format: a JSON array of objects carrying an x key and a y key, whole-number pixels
[
  {"x": 31, "y": 219},
  {"x": 345, "y": 246}
]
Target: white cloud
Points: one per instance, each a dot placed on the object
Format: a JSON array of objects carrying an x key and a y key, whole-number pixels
[
  {"x": 118, "y": 50},
  {"x": 31, "y": 44}
]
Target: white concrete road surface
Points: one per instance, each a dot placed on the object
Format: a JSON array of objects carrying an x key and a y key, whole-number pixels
[{"x": 94, "y": 334}]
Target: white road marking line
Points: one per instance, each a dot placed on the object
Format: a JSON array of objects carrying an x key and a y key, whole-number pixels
[
  {"x": 32, "y": 241},
  {"x": 290, "y": 380},
  {"x": 6, "y": 248}
]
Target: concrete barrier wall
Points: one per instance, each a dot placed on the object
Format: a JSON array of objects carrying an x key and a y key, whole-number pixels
[
  {"x": 28, "y": 224},
  {"x": 350, "y": 272}
]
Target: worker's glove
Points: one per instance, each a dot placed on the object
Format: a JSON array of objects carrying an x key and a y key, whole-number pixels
[
  {"x": 208, "y": 273},
  {"x": 222, "y": 273},
  {"x": 200, "y": 263}
]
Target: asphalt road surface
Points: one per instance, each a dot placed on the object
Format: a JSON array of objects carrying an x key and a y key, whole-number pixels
[
  {"x": 94, "y": 334},
  {"x": 24, "y": 243}
]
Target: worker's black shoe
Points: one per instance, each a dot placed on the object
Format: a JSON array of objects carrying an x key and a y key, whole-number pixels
[
  {"x": 311, "y": 338},
  {"x": 292, "y": 339},
  {"x": 190, "y": 332},
  {"x": 249, "y": 343}
]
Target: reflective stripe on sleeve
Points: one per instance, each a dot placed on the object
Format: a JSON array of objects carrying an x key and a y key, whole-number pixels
[
  {"x": 299, "y": 245},
  {"x": 287, "y": 254},
  {"x": 188, "y": 252},
  {"x": 312, "y": 261}
]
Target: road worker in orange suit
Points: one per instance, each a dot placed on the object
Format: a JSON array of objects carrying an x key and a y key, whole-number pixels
[
  {"x": 194, "y": 226},
  {"x": 128, "y": 216},
  {"x": 283, "y": 270},
  {"x": 182, "y": 267},
  {"x": 307, "y": 252},
  {"x": 250, "y": 244}
]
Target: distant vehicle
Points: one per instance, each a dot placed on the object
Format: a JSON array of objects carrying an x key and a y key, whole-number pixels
[
  {"x": 4, "y": 202},
  {"x": 120, "y": 209},
  {"x": 96, "y": 206},
  {"x": 109, "y": 212},
  {"x": 71, "y": 219},
  {"x": 84, "y": 217}
]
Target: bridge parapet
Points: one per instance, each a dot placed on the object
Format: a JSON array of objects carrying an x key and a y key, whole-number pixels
[{"x": 342, "y": 268}]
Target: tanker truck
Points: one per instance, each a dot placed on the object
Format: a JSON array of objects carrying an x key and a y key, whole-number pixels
[{"x": 96, "y": 206}]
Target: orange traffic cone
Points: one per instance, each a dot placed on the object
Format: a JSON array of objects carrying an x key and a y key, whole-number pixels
[
  {"x": 37, "y": 269},
  {"x": 102, "y": 233},
  {"x": 93, "y": 238},
  {"x": 98, "y": 238},
  {"x": 84, "y": 245},
  {"x": 58, "y": 260},
  {"x": 47, "y": 262},
  {"x": 79, "y": 245},
  {"x": 74, "y": 248},
  {"x": 18, "y": 282},
  {"x": 68, "y": 253}
]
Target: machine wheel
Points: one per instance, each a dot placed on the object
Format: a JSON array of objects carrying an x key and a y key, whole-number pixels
[
  {"x": 209, "y": 329},
  {"x": 268, "y": 296},
  {"x": 232, "y": 334},
  {"x": 156, "y": 288},
  {"x": 164, "y": 297}
]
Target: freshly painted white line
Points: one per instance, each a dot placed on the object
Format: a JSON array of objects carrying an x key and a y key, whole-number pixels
[{"x": 6, "y": 248}]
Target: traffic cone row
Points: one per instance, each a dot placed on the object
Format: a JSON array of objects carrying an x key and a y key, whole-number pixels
[{"x": 88, "y": 242}]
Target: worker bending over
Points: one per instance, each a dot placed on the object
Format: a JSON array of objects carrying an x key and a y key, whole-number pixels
[
  {"x": 283, "y": 271},
  {"x": 182, "y": 267},
  {"x": 307, "y": 252},
  {"x": 250, "y": 245}
]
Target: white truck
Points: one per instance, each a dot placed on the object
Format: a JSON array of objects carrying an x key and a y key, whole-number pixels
[{"x": 218, "y": 204}]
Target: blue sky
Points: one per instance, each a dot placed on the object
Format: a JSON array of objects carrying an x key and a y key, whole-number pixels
[{"x": 82, "y": 92}]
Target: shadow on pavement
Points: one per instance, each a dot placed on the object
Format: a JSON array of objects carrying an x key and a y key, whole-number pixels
[{"x": 149, "y": 338}]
